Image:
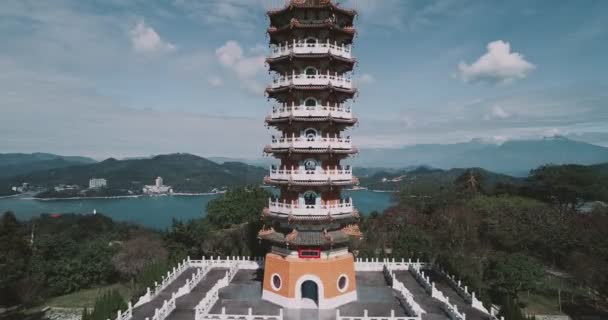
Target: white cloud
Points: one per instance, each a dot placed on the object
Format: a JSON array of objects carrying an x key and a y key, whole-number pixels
[
  {"x": 145, "y": 39},
  {"x": 246, "y": 68},
  {"x": 498, "y": 64},
  {"x": 215, "y": 81},
  {"x": 366, "y": 78},
  {"x": 497, "y": 112}
]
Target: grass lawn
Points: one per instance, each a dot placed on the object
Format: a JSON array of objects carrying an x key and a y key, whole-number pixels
[
  {"x": 86, "y": 298},
  {"x": 539, "y": 304}
]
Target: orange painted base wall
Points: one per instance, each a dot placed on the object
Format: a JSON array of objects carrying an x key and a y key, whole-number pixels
[{"x": 293, "y": 271}]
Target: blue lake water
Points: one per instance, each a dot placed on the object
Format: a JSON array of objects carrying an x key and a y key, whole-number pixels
[{"x": 156, "y": 212}]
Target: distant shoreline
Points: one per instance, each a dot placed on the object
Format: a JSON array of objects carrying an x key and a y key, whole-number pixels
[
  {"x": 384, "y": 191},
  {"x": 11, "y": 196},
  {"x": 183, "y": 194}
]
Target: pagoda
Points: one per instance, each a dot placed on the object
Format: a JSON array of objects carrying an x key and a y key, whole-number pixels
[{"x": 310, "y": 224}]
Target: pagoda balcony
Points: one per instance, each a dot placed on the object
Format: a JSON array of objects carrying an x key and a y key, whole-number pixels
[
  {"x": 303, "y": 142},
  {"x": 302, "y": 79},
  {"x": 286, "y": 49},
  {"x": 315, "y": 177},
  {"x": 297, "y": 210},
  {"x": 318, "y": 111}
]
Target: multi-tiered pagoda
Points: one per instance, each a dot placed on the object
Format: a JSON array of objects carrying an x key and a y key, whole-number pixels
[{"x": 310, "y": 224}]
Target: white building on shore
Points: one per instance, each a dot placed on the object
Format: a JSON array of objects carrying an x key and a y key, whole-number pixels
[
  {"x": 96, "y": 183},
  {"x": 158, "y": 188}
]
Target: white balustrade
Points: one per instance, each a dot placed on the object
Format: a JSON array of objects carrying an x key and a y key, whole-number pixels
[
  {"x": 376, "y": 264},
  {"x": 303, "y": 142},
  {"x": 298, "y": 47},
  {"x": 463, "y": 291},
  {"x": 127, "y": 314},
  {"x": 318, "y": 111},
  {"x": 408, "y": 298},
  {"x": 366, "y": 316},
  {"x": 306, "y": 210},
  {"x": 302, "y": 79},
  {"x": 166, "y": 309},
  {"x": 318, "y": 174},
  {"x": 450, "y": 309},
  {"x": 203, "y": 308},
  {"x": 166, "y": 280},
  {"x": 249, "y": 316}
]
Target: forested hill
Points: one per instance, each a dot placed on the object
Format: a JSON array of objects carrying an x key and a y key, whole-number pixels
[
  {"x": 14, "y": 164},
  {"x": 393, "y": 180},
  {"x": 185, "y": 172}
]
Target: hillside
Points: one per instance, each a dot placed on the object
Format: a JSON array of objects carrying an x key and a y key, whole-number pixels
[
  {"x": 390, "y": 180},
  {"x": 185, "y": 172},
  {"x": 516, "y": 157},
  {"x": 14, "y": 164}
]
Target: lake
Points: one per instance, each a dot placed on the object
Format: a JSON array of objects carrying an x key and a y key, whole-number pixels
[{"x": 156, "y": 212}]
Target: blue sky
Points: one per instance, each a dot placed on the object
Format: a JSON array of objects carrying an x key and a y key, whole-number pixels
[{"x": 138, "y": 77}]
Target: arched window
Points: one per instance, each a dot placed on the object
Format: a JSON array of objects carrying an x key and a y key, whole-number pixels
[
  {"x": 310, "y": 134},
  {"x": 310, "y": 42},
  {"x": 310, "y": 164},
  {"x": 310, "y": 198},
  {"x": 310, "y": 102},
  {"x": 311, "y": 71}
]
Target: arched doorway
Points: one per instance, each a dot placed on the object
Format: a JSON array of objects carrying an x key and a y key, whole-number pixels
[{"x": 309, "y": 291}]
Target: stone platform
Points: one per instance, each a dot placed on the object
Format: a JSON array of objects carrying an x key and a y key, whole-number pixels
[{"x": 245, "y": 291}]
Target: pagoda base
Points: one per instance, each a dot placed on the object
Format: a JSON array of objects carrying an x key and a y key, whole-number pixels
[{"x": 297, "y": 283}]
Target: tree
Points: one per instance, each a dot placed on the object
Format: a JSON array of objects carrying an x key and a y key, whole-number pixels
[
  {"x": 135, "y": 254},
  {"x": 514, "y": 273},
  {"x": 237, "y": 206},
  {"x": 568, "y": 185},
  {"x": 14, "y": 257}
]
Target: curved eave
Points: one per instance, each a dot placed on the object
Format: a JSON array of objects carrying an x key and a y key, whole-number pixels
[
  {"x": 288, "y": 58},
  {"x": 352, "y": 150},
  {"x": 275, "y": 32},
  {"x": 311, "y": 219},
  {"x": 286, "y": 9},
  {"x": 310, "y": 183},
  {"x": 276, "y": 121},
  {"x": 306, "y": 238},
  {"x": 315, "y": 88}
]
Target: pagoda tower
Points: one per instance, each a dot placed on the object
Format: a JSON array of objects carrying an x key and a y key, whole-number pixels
[{"x": 310, "y": 224}]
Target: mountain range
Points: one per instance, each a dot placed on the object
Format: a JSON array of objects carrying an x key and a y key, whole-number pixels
[
  {"x": 14, "y": 164},
  {"x": 184, "y": 172},
  {"x": 515, "y": 157}
]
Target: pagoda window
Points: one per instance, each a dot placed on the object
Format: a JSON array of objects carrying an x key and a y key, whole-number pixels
[
  {"x": 311, "y": 71},
  {"x": 310, "y": 102},
  {"x": 311, "y": 42},
  {"x": 310, "y": 134},
  {"x": 310, "y": 164},
  {"x": 310, "y": 198}
]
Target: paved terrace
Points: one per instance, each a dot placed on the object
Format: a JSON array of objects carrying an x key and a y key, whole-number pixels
[
  {"x": 431, "y": 305},
  {"x": 442, "y": 284},
  {"x": 244, "y": 292}
]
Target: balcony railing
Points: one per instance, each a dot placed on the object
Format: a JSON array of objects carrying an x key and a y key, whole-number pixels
[
  {"x": 285, "y": 49},
  {"x": 303, "y": 142},
  {"x": 318, "y": 111},
  {"x": 302, "y": 79},
  {"x": 317, "y": 175},
  {"x": 296, "y": 209}
]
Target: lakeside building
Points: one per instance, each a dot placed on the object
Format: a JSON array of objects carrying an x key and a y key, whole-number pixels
[
  {"x": 310, "y": 224},
  {"x": 157, "y": 188},
  {"x": 97, "y": 183}
]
